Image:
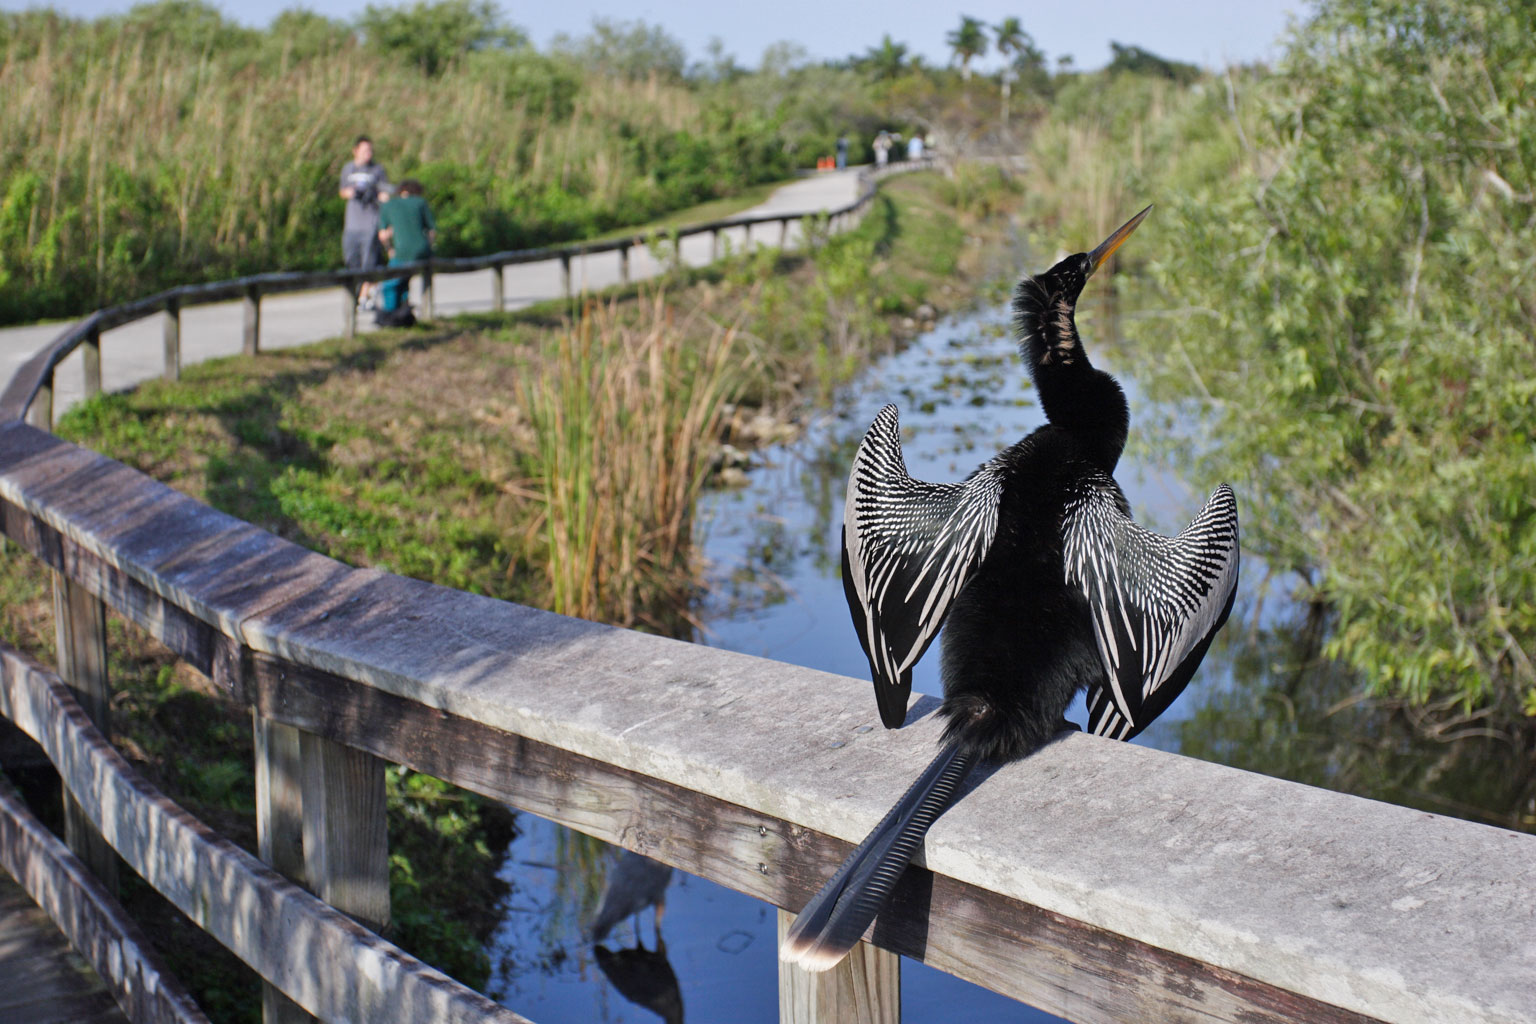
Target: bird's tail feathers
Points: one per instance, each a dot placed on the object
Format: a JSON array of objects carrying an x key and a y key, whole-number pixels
[{"x": 835, "y": 919}]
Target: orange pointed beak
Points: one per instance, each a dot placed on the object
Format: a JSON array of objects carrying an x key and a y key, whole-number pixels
[{"x": 1107, "y": 248}]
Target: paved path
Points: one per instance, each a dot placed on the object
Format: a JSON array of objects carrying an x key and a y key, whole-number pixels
[{"x": 134, "y": 352}]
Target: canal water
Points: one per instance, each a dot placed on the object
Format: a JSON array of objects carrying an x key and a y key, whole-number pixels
[{"x": 1264, "y": 699}]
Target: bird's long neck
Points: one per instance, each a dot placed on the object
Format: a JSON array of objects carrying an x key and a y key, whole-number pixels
[{"x": 1086, "y": 402}]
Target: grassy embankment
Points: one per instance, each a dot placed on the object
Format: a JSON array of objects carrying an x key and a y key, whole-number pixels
[
  {"x": 533, "y": 457},
  {"x": 1337, "y": 281}
]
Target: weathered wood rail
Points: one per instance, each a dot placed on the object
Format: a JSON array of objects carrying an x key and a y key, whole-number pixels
[{"x": 1099, "y": 881}]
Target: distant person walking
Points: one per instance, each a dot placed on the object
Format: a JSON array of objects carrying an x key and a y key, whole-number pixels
[
  {"x": 408, "y": 229},
  {"x": 915, "y": 147},
  {"x": 882, "y": 148},
  {"x": 364, "y": 185},
  {"x": 842, "y": 151}
]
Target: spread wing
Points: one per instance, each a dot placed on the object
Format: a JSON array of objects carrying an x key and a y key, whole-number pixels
[
  {"x": 1156, "y": 601},
  {"x": 908, "y": 550}
]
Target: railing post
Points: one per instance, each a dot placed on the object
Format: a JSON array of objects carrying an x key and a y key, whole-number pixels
[
  {"x": 173, "y": 339},
  {"x": 346, "y": 843},
  {"x": 714, "y": 245},
  {"x": 624, "y": 264},
  {"x": 746, "y": 246},
  {"x": 565, "y": 273},
  {"x": 279, "y": 830},
  {"x": 90, "y": 362},
  {"x": 426, "y": 292},
  {"x": 864, "y": 989},
  {"x": 80, "y": 623},
  {"x": 40, "y": 412},
  {"x": 349, "y": 309},
  {"x": 252, "y": 343},
  {"x": 784, "y": 233},
  {"x": 498, "y": 287}
]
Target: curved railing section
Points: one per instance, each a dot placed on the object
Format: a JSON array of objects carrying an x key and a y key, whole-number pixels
[
  {"x": 34, "y": 379},
  {"x": 1100, "y": 881}
]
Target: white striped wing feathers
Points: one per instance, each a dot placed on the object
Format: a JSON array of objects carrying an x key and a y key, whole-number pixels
[
  {"x": 908, "y": 550},
  {"x": 1156, "y": 601}
]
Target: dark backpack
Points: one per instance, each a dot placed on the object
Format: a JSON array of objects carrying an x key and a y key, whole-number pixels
[{"x": 400, "y": 316}]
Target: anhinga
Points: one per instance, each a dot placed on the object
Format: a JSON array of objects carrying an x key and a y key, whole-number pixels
[{"x": 1043, "y": 584}]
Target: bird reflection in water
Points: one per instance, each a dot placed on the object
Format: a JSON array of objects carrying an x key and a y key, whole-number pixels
[
  {"x": 644, "y": 977},
  {"x": 641, "y": 975}
]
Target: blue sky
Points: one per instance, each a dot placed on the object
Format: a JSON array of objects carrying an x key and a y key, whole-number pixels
[{"x": 1207, "y": 32}]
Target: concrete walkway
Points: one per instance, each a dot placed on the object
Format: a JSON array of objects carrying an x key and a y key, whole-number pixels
[{"x": 134, "y": 352}]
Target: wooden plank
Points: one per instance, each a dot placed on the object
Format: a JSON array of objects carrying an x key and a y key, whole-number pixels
[
  {"x": 90, "y": 918},
  {"x": 80, "y": 621},
  {"x": 349, "y": 294},
  {"x": 172, "y": 340},
  {"x": 328, "y": 963},
  {"x": 251, "y": 321},
  {"x": 864, "y": 989},
  {"x": 211, "y": 565},
  {"x": 40, "y": 412},
  {"x": 279, "y": 831},
  {"x": 1048, "y": 960},
  {"x": 90, "y": 363},
  {"x": 346, "y": 840}
]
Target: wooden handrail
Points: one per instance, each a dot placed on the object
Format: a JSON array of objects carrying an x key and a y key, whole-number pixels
[
  {"x": 285, "y": 934},
  {"x": 36, "y": 373},
  {"x": 90, "y": 918},
  {"x": 1098, "y": 880}
]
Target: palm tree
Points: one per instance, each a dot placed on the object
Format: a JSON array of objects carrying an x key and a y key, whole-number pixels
[
  {"x": 969, "y": 41},
  {"x": 1010, "y": 37}
]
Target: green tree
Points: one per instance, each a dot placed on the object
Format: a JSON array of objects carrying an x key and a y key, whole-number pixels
[
  {"x": 1143, "y": 62},
  {"x": 433, "y": 34},
  {"x": 632, "y": 50},
  {"x": 968, "y": 42},
  {"x": 301, "y": 34},
  {"x": 1356, "y": 301},
  {"x": 886, "y": 61}
]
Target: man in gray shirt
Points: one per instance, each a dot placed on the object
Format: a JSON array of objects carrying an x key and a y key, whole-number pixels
[{"x": 364, "y": 184}]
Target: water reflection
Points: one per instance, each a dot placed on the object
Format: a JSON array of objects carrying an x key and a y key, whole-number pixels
[{"x": 644, "y": 977}]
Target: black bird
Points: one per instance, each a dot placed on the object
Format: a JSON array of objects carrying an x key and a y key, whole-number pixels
[{"x": 1043, "y": 584}]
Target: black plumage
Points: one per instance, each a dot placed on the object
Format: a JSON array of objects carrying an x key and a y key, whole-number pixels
[{"x": 1042, "y": 583}]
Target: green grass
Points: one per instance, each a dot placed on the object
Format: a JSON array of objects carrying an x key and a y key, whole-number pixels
[{"x": 700, "y": 213}]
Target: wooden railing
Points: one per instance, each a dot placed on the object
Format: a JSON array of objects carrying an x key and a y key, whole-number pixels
[
  {"x": 1100, "y": 881},
  {"x": 31, "y": 388}
]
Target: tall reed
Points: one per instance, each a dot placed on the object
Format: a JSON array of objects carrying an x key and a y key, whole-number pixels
[
  {"x": 132, "y": 158},
  {"x": 625, "y": 414}
]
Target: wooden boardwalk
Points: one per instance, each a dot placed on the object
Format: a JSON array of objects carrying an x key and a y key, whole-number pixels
[{"x": 43, "y": 980}]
